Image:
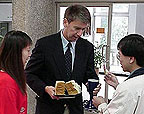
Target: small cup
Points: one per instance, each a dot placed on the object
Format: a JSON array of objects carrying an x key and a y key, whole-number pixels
[{"x": 92, "y": 84}]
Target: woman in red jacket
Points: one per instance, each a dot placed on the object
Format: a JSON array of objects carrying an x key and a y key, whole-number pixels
[{"x": 14, "y": 52}]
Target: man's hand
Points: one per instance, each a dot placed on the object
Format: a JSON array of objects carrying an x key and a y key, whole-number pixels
[
  {"x": 51, "y": 91},
  {"x": 111, "y": 80},
  {"x": 97, "y": 89},
  {"x": 98, "y": 100}
]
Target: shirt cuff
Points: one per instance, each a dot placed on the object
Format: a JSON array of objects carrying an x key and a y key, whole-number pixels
[{"x": 102, "y": 107}]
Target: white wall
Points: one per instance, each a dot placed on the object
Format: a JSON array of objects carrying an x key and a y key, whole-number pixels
[
  {"x": 136, "y": 19},
  {"x": 5, "y": 12},
  {"x": 132, "y": 18},
  {"x": 140, "y": 19}
]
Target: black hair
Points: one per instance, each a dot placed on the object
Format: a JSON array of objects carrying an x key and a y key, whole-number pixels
[{"x": 133, "y": 45}]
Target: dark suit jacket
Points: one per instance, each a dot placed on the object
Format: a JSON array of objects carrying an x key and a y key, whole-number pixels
[{"x": 46, "y": 66}]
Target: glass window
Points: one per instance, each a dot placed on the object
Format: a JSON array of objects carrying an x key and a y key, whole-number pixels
[
  {"x": 4, "y": 28},
  {"x": 121, "y": 8},
  {"x": 119, "y": 30}
]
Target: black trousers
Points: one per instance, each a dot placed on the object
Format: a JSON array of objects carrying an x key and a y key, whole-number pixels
[{"x": 75, "y": 106}]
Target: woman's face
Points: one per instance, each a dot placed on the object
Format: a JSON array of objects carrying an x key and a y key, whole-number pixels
[{"x": 26, "y": 54}]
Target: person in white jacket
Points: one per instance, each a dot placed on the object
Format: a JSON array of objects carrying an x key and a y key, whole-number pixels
[{"x": 129, "y": 95}]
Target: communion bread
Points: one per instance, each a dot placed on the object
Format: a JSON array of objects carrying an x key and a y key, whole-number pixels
[
  {"x": 60, "y": 88},
  {"x": 72, "y": 87},
  {"x": 106, "y": 71}
]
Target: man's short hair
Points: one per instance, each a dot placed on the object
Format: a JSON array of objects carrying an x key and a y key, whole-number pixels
[
  {"x": 78, "y": 12},
  {"x": 133, "y": 45}
]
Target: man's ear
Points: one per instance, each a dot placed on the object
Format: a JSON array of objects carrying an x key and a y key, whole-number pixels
[
  {"x": 65, "y": 22},
  {"x": 132, "y": 59}
]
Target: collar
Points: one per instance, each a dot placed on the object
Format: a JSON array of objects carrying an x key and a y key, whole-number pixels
[
  {"x": 65, "y": 42},
  {"x": 136, "y": 72}
]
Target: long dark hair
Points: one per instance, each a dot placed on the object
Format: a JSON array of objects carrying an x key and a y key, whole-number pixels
[{"x": 11, "y": 56}]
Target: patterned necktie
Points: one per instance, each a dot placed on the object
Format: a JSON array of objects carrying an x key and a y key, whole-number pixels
[{"x": 68, "y": 61}]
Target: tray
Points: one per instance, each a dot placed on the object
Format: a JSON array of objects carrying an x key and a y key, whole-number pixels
[{"x": 67, "y": 96}]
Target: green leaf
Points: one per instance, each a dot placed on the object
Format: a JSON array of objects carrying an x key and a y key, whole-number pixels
[{"x": 98, "y": 57}]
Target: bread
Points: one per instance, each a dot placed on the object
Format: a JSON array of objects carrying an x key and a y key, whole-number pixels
[
  {"x": 72, "y": 87},
  {"x": 105, "y": 70},
  {"x": 60, "y": 88}
]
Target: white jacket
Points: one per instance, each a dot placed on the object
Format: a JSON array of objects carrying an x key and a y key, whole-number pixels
[{"x": 127, "y": 99}]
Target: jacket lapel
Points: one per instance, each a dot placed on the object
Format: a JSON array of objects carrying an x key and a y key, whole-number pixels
[
  {"x": 59, "y": 56},
  {"x": 79, "y": 55}
]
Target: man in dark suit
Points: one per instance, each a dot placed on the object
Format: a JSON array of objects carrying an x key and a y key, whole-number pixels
[{"x": 47, "y": 63}]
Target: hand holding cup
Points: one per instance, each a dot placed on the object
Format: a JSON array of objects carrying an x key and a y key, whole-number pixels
[{"x": 92, "y": 84}]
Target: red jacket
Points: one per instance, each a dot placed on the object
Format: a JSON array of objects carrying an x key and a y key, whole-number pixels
[{"x": 12, "y": 101}]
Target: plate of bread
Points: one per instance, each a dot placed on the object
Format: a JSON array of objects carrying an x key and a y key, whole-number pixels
[{"x": 67, "y": 89}]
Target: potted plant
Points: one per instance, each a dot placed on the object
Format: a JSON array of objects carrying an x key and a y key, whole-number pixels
[{"x": 98, "y": 58}]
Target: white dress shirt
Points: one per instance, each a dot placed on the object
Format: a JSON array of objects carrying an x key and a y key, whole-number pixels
[
  {"x": 72, "y": 49},
  {"x": 127, "y": 99}
]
